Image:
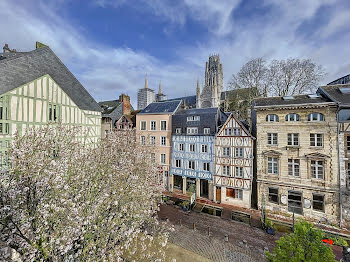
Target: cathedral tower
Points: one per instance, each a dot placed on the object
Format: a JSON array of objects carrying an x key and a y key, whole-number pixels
[{"x": 213, "y": 84}]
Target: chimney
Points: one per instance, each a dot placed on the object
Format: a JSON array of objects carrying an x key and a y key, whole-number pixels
[
  {"x": 6, "y": 49},
  {"x": 125, "y": 99}
]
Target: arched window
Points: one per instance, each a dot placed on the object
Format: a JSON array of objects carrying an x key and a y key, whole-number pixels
[
  {"x": 292, "y": 117},
  {"x": 315, "y": 117},
  {"x": 272, "y": 118}
]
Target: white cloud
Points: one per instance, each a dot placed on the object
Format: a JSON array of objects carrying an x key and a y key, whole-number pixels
[{"x": 107, "y": 71}]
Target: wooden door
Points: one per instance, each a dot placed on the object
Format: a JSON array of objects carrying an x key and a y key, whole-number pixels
[{"x": 218, "y": 194}]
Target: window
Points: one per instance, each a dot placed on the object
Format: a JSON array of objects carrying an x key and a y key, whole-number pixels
[
  {"x": 316, "y": 140},
  {"x": 348, "y": 144},
  {"x": 273, "y": 195},
  {"x": 293, "y": 167},
  {"x": 239, "y": 171},
  {"x": 53, "y": 112},
  {"x": 292, "y": 117},
  {"x": 143, "y": 125},
  {"x": 193, "y": 118},
  {"x": 178, "y": 162},
  {"x": 206, "y": 131},
  {"x": 153, "y": 157},
  {"x": 272, "y": 118},
  {"x": 293, "y": 139},
  {"x": 142, "y": 140},
  {"x": 226, "y": 151},
  {"x": 226, "y": 170},
  {"x": 1, "y": 109},
  {"x": 234, "y": 193},
  {"x": 191, "y": 165},
  {"x": 1, "y": 128},
  {"x": 163, "y": 141},
  {"x": 206, "y": 166},
  {"x": 178, "y": 130},
  {"x": 153, "y": 140},
  {"x": 204, "y": 148},
  {"x": 272, "y": 165},
  {"x": 191, "y": 147},
  {"x": 317, "y": 169},
  {"x": 181, "y": 147},
  {"x": 318, "y": 202},
  {"x": 228, "y": 131},
  {"x": 163, "y": 125},
  {"x": 272, "y": 138},
  {"x": 237, "y": 131},
  {"x": 162, "y": 158},
  {"x": 192, "y": 130},
  {"x": 153, "y": 125},
  {"x": 294, "y": 202},
  {"x": 238, "y": 152},
  {"x": 315, "y": 117}
]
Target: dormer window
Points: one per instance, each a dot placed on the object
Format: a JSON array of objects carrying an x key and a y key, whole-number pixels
[
  {"x": 315, "y": 117},
  {"x": 292, "y": 117},
  {"x": 193, "y": 118},
  {"x": 178, "y": 130},
  {"x": 192, "y": 130},
  {"x": 206, "y": 131},
  {"x": 272, "y": 118}
]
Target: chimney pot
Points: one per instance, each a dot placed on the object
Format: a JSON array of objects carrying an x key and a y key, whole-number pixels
[{"x": 7, "y": 45}]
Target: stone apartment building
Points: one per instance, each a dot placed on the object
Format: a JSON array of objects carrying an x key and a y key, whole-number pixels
[
  {"x": 37, "y": 89},
  {"x": 153, "y": 128},
  {"x": 192, "y": 162},
  {"x": 297, "y": 156},
  {"x": 340, "y": 94},
  {"x": 233, "y": 164}
]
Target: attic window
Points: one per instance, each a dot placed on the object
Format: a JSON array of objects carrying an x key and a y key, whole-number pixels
[
  {"x": 345, "y": 90},
  {"x": 288, "y": 98},
  {"x": 313, "y": 96}
]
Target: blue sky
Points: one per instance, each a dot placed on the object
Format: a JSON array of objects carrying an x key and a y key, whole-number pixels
[{"x": 111, "y": 44}]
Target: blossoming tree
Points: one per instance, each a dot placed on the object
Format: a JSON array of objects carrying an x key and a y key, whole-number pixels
[{"x": 62, "y": 199}]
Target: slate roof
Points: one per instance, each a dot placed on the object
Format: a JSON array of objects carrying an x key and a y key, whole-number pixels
[
  {"x": 341, "y": 81},
  {"x": 164, "y": 107},
  {"x": 190, "y": 101},
  {"x": 298, "y": 100},
  {"x": 19, "y": 68},
  {"x": 109, "y": 106},
  {"x": 335, "y": 94},
  {"x": 212, "y": 118}
]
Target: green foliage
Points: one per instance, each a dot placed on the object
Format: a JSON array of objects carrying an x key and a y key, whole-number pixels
[
  {"x": 191, "y": 189},
  {"x": 269, "y": 223},
  {"x": 339, "y": 241},
  {"x": 305, "y": 244}
]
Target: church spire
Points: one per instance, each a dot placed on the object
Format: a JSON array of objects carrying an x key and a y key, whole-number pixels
[
  {"x": 160, "y": 88},
  {"x": 146, "y": 81},
  {"x": 198, "y": 90}
]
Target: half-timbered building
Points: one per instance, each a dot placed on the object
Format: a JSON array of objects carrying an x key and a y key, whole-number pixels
[
  {"x": 192, "y": 162},
  {"x": 297, "y": 157},
  {"x": 233, "y": 164},
  {"x": 37, "y": 89}
]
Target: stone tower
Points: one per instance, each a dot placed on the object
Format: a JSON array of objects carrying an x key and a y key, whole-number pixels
[{"x": 213, "y": 84}]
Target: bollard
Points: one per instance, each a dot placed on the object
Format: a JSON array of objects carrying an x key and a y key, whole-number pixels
[
  {"x": 167, "y": 219},
  {"x": 180, "y": 222},
  {"x": 226, "y": 238},
  {"x": 194, "y": 226},
  {"x": 245, "y": 243}
]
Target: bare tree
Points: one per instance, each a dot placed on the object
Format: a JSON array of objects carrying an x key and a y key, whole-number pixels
[{"x": 293, "y": 77}]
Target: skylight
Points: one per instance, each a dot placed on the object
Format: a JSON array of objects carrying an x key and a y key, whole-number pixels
[
  {"x": 314, "y": 96},
  {"x": 345, "y": 90},
  {"x": 288, "y": 97}
]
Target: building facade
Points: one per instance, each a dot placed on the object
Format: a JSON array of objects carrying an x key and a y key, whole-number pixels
[
  {"x": 153, "y": 128},
  {"x": 210, "y": 96},
  {"x": 233, "y": 164},
  {"x": 192, "y": 162},
  {"x": 340, "y": 94},
  {"x": 297, "y": 157},
  {"x": 116, "y": 115},
  {"x": 36, "y": 89}
]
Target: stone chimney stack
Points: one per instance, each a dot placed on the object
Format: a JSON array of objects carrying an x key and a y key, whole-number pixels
[
  {"x": 6, "y": 49},
  {"x": 125, "y": 99}
]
